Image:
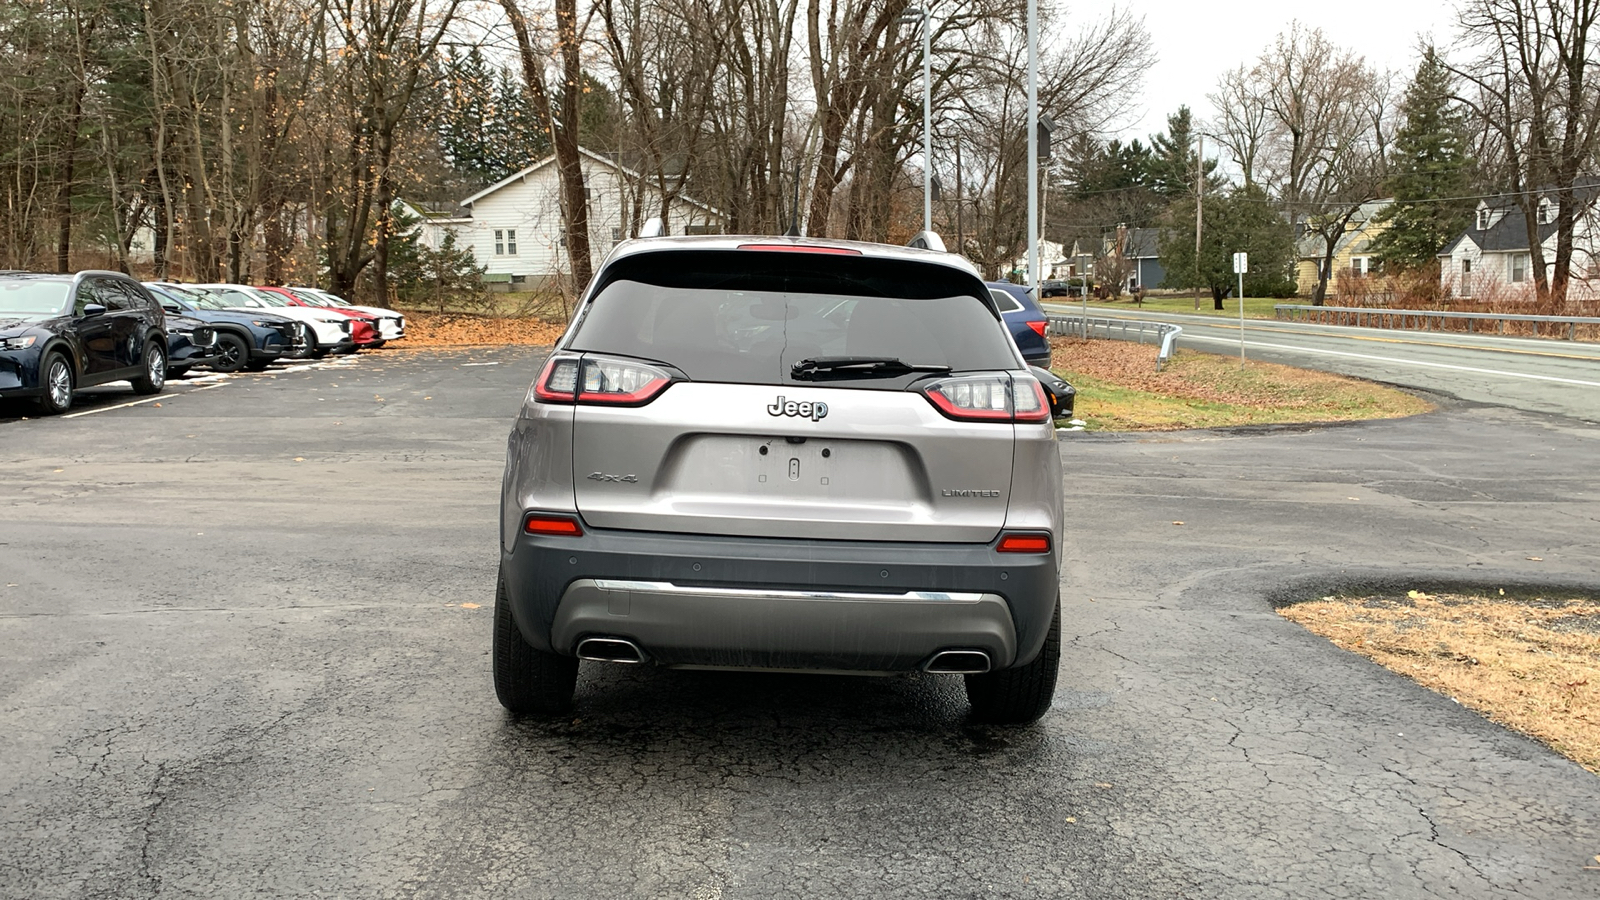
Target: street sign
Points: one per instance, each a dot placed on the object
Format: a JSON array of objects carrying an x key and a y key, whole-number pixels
[{"x": 1241, "y": 263}]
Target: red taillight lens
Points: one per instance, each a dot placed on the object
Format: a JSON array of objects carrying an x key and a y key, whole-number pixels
[
  {"x": 555, "y": 526},
  {"x": 616, "y": 382},
  {"x": 1039, "y": 327},
  {"x": 1024, "y": 543},
  {"x": 989, "y": 398},
  {"x": 801, "y": 248}
]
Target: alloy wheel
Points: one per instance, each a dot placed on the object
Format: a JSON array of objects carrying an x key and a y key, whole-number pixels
[
  {"x": 59, "y": 383},
  {"x": 155, "y": 364}
]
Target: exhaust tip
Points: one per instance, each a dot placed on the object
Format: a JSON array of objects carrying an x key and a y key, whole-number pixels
[
  {"x": 610, "y": 649},
  {"x": 958, "y": 662}
]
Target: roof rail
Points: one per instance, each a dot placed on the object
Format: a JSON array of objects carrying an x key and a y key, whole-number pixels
[
  {"x": 653, "y": 227},
  {"x": 927, "y": 240}
]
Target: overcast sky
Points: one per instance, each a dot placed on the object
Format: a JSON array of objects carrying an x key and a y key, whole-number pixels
[{"x": 1197, "y": 40}]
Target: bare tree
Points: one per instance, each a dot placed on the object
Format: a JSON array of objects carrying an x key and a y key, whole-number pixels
[
  {"x": 1527, "y": 77},
  {"x": 563, "y": 128},
  {"x": 1318, "y": 145}
]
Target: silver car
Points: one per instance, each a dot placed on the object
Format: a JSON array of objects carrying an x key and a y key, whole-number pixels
[{"x": 783, "y": 454}]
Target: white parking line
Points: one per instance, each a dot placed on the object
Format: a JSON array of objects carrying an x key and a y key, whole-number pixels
[
  {"x": 90, "y": 412},
  {"x": 1188, "y": 336}
]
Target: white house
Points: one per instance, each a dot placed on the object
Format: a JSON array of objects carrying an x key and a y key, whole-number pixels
[
  {"x": 513, "y": 227},
  {"x": 1493, "y": 255}
]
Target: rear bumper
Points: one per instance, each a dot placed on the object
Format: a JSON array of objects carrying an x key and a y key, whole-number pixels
[{"x": 699, "y": 600}]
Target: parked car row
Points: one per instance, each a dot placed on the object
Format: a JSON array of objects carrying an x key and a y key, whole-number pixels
[{"x": 61, "y": 333}]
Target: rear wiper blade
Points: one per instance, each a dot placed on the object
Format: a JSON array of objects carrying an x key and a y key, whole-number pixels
[{"x": 818, "y": 367}]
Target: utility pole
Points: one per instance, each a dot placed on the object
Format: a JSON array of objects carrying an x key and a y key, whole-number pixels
[
  {"x": 920, "y": 16},
  {"x": 960, "y": 191},
  {"x": 1199, "y": 207}
]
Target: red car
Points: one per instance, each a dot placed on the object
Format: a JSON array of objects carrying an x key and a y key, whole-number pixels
[{"x": 363, "y": 327}]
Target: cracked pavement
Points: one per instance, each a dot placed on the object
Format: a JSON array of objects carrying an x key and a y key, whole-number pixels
[{"x": 234, "y": 662}]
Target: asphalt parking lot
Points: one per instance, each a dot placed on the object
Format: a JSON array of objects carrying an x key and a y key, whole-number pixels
[{"x": 244, "y": 641}]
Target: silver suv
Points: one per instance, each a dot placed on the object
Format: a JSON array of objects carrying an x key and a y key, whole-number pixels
[{"x": 783, "y": 454}]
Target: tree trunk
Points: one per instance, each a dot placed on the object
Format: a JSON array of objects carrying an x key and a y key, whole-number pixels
[{"x": 569, "y": 161}]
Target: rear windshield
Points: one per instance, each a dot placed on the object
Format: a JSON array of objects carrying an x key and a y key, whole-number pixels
[{"x": 747, "y": 317}]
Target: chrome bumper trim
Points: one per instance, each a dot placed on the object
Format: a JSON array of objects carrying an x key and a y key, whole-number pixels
[{"x": 667, "y": 587}]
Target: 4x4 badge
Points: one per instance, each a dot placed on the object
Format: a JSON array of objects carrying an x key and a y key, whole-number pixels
[
  {"x": 601, "y": 476},
  {"x": 808, "y": 410}
]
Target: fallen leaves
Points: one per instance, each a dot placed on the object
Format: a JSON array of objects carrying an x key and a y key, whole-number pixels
[
  {"x": 457, "y": 329},
  {"x": 469, "y": 606}
]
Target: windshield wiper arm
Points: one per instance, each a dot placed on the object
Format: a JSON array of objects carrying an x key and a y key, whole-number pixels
[{"x": 818, "y": 367}]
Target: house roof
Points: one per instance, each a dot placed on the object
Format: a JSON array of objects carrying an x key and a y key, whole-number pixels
[
  {"x": 1510, "y": 233},
  {"x": 1311, "y": 245},
  {"x": 515, "y": 177},
  {"x": 1143, "y": 243}
]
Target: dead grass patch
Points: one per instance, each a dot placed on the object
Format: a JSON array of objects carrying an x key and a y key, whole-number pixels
[
  {"x": 1530, "y": 665},
  {"x": 1119, "y": 389}
]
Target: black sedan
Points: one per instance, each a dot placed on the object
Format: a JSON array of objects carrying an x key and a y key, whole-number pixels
[
  {"x": 245, "y": 340},
  {"x": 59, "y": 333}
]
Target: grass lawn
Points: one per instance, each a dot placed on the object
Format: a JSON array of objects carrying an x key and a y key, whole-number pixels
[
  {"x": 1531, "y": 664},
  {"x": 1254, "y": 307},
  {"x": 1119, "y": 390}
]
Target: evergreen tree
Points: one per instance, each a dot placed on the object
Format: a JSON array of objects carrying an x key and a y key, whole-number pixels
[
  {"x": 485, "y": 125},
  {"x": 1171, "y": 169},
  {"x": 1430, "y": 165},
  {"x": 1243, "y": 219}
]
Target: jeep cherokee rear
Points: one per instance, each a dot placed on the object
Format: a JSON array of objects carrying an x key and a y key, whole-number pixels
[{"x": 783, "y": 454}]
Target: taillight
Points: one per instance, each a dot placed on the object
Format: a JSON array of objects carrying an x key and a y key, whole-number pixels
[
  {"x": 1024, "y": 543},
  {"x": 620, "y": 383},
  {"x": 1039, "y": 327},
  {"x": 555, "y": 526},
  {"x": 558, "y": 383},
  {"x": 989, "y": 398},
  {"x": 615, "y": 382}
]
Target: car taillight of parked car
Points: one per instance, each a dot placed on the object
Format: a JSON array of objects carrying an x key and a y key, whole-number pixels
[
  {"x": 1039, "y": 327},
  {"x": 989, "y": 398},
  {"x": 613, "y": 382}
]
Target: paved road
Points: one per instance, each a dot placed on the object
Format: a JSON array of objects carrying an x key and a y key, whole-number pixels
[
  {"x": 235, "y": 662},
  {"x": 1560, "y": 377}
]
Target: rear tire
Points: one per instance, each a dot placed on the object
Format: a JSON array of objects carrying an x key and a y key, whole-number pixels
[
  {"x": 154, "y": 376},
  {"x": 528, "y": 681},
  {"x": 58, "y": 385},
  {"x": 1019, "y": 695}
]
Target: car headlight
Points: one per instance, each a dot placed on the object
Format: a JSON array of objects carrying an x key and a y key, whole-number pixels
[
  {"x": 18, "y": 343},
  {"x": 259, "y": 323}
]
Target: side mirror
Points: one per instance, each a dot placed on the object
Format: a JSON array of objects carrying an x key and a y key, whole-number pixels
[
  {"x": 1062, "y": 395},
  {"x": 90, "y": 310}
]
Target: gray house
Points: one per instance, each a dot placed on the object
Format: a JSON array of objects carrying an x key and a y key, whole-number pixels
[{"x": 1142, "y": 249}]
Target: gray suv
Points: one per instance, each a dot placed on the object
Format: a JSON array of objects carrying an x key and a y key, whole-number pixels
[{"x": 783, "y": 454}]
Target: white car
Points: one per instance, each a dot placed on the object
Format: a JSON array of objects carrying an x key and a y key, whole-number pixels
[
  {"x": 391, "y": 324},
  {"x": 329, "y": 331}
]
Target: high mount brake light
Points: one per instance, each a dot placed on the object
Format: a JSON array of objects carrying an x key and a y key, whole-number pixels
[
  {"x": 801, "y": 248},
  {"x": 989, "y": 398},
  {"x": 555, "y": 526},
  {"x": 1024, "y": 543},
  {"x": 614, "y": 382}
]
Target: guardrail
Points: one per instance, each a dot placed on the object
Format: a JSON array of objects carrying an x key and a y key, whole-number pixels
[
  {"x": 1119, "y": 330},
  {"x": 1423, "y": 319}
]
